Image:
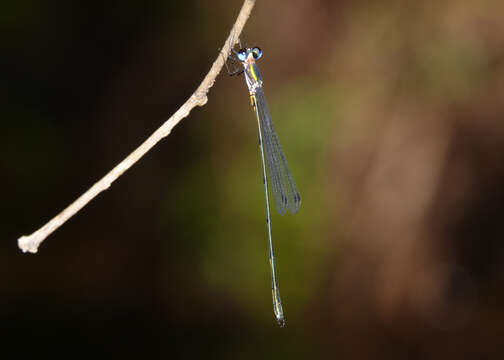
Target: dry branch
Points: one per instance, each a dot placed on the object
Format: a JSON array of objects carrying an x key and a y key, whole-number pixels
[{"x": 31, "y": 242}]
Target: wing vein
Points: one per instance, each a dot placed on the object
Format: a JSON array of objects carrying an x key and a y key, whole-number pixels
[{"x": 285, "y": 192}]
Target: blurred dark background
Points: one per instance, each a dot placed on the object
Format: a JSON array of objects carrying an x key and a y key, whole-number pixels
[{"x": 391, "y": 116}]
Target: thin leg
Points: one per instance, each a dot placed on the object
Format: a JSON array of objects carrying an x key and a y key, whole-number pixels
[
  {"x": 244, "y": 41},
  {"x": 237, "y": 69}
]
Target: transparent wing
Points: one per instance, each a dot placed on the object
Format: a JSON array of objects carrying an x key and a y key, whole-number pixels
[{"x": 284, "y": 188}]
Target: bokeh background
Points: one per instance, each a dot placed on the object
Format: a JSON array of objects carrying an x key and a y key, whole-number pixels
[{"x": 391, "y": 116}]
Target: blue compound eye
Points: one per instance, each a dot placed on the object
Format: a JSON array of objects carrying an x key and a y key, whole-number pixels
[
  {"x": 256, "y": 53},
  {"x": 242, "y": 55}
]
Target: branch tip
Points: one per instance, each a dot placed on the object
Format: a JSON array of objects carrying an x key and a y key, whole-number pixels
[{"x": 26, "y": 244}]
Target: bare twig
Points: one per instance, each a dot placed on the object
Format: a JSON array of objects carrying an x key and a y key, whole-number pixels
[{"x": 198, "y": 98}]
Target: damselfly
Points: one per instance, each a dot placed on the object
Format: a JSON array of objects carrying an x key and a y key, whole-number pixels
[{"x": 284, "y": 188}]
